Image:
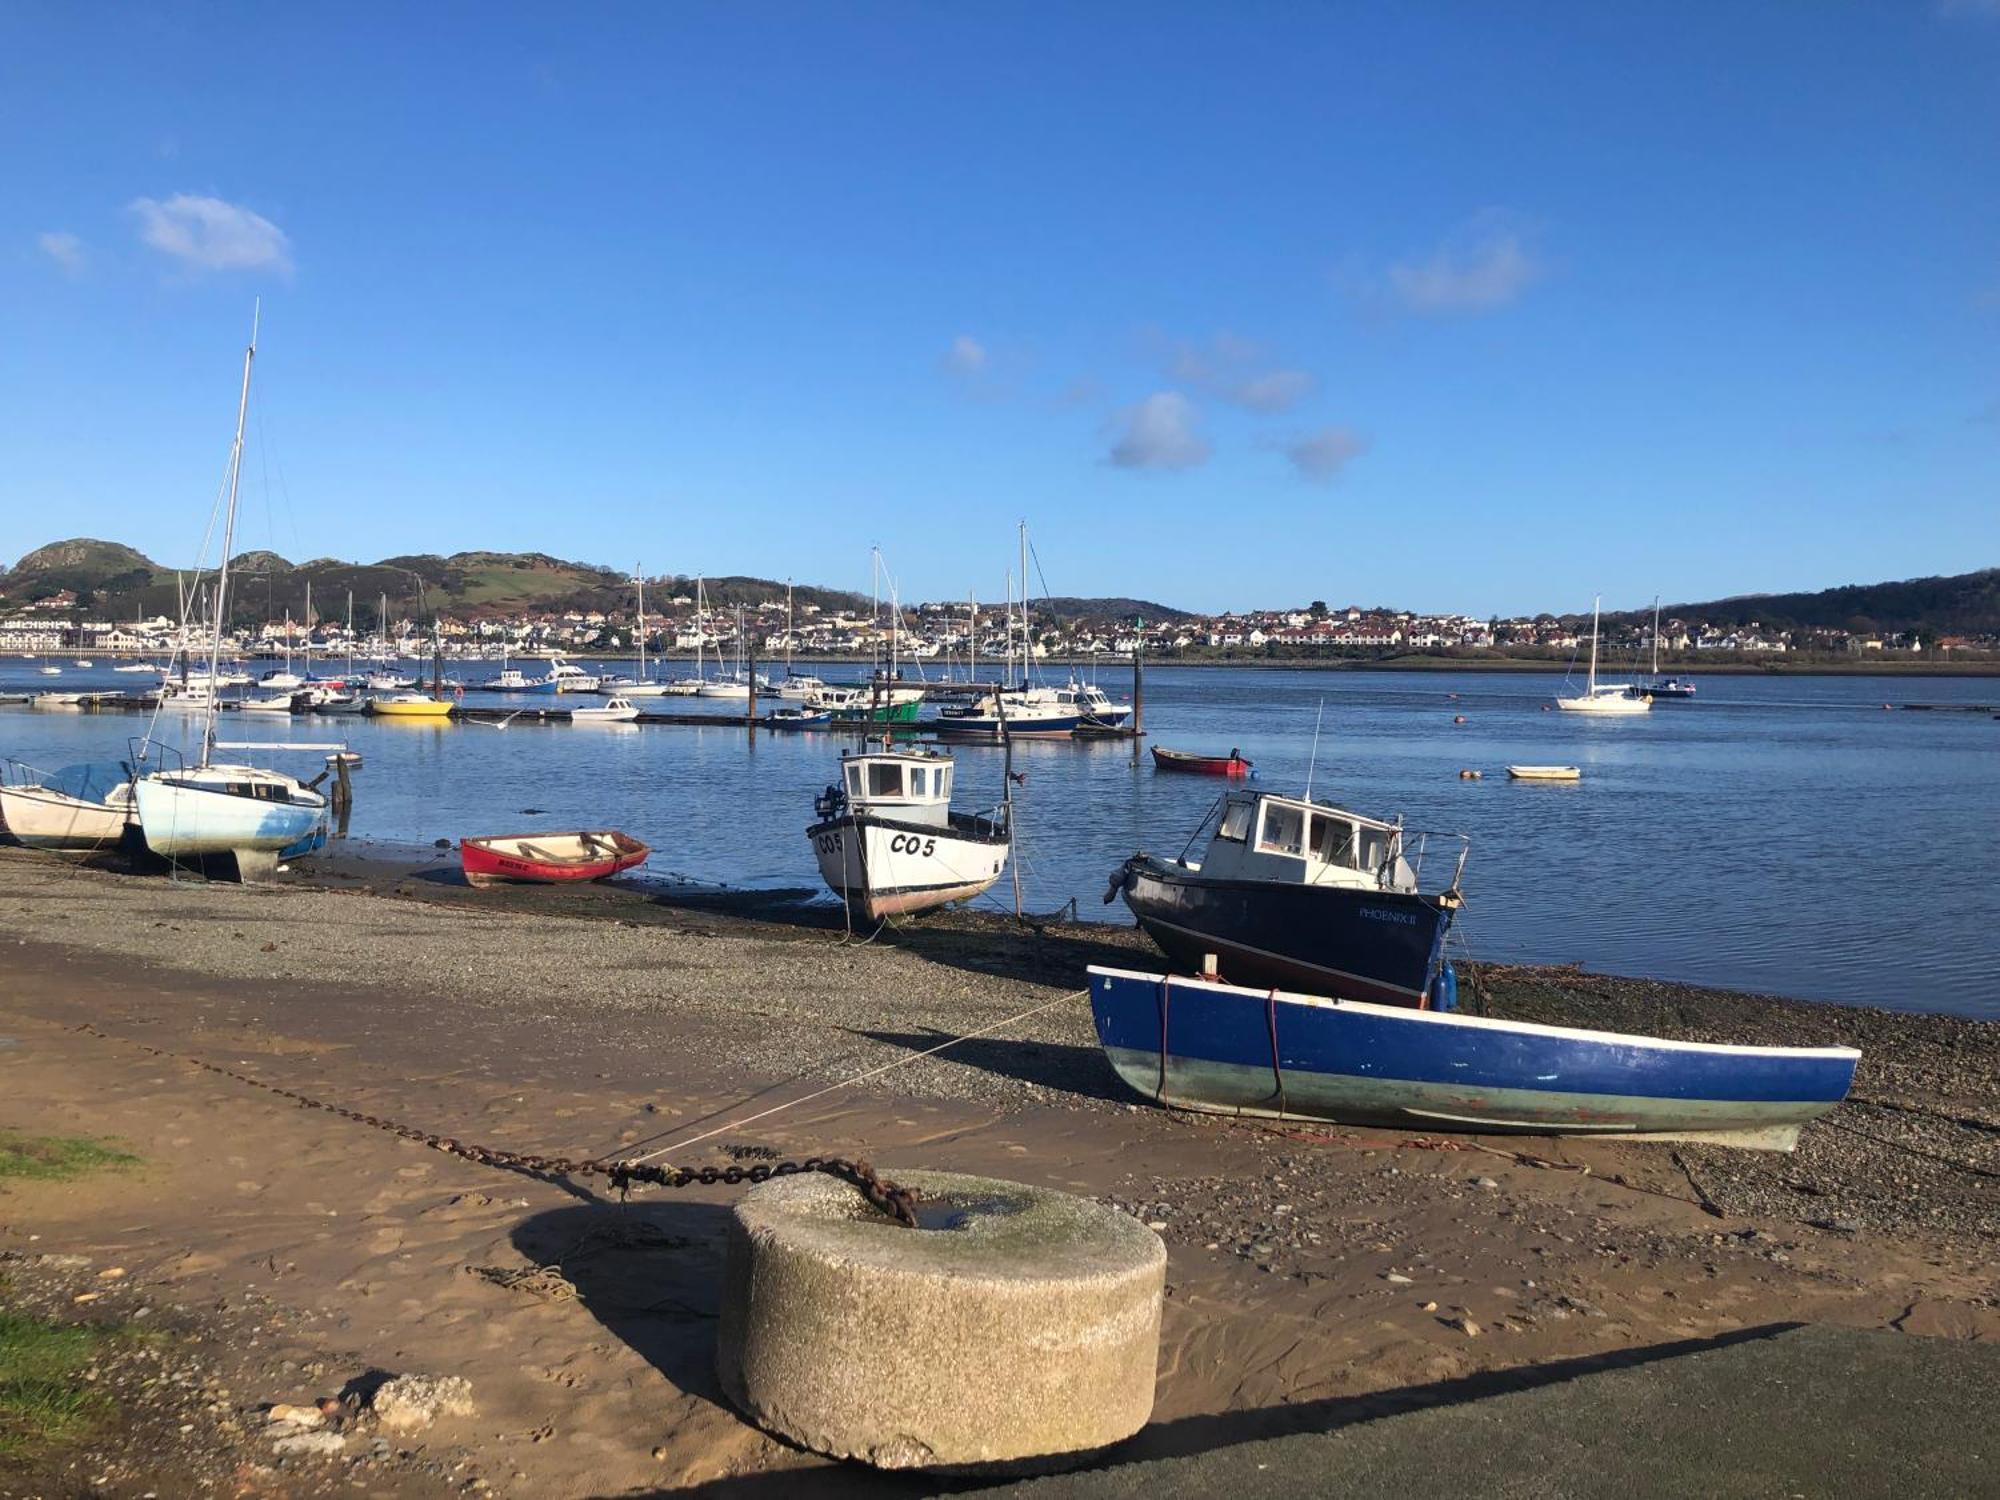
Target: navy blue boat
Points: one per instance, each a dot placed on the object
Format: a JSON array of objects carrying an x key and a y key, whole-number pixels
[
  {"x": 1298, "y": 893},
  {"x": 1197, "y": 1044}
]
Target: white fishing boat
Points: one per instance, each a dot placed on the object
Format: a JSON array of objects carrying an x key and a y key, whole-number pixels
[
  {"x": 614, "y": 710},
  {"x": 78, "y": 807},
  {"x": 254, "y": 814},
  {"x": 563, "y": 677},
  {"x": 507, "y": 680},
  {"x": 1604, "y": 697},
  {"x": 888, "y": 842}
]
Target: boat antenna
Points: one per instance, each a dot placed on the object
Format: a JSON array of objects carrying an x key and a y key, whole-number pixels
[{"x": 1313, "y": 762}]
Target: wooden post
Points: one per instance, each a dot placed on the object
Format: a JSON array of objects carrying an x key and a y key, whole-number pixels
[
  {"x": 1007, "y": 799},
  {"x": 1138, "y": 697},
  {"x": 343, "y": 796}
]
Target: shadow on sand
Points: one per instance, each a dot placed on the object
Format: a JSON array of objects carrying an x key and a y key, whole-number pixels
[{"x": 1054, "y": 1065}]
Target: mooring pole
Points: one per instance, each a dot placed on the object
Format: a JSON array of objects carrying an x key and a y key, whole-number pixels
[
  {"x": 1007, "y": 799},
  {"x": 750, "y": 705},
  {"x": 1138, "y": 692}
]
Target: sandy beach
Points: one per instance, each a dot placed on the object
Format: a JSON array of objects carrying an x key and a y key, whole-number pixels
[{"x": 1315, "y": 1273}]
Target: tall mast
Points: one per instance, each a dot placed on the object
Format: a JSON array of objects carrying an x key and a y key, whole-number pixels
[
  {"x": 350, "y": 635},
  {"x": 309, "y": 629},
  {"x": 1024, "y": 605},
  {"x": 875, "y": 611},
  {"x": 228, "y": 539},
  {"x": 639, "y": 575},
  {"x": 972, "y": 615},
  {"x": 1595, "y": 605},
  {"x": 788, "y": 627},
  {"x": 700, "y": 621},
  {"x": 1656, "y": 635}
]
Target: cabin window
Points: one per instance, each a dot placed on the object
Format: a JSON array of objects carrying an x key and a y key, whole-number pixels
[
  {"x": 1333, "y": 840},
  {"x": 1374, "y": 848},
  {"x": 1235, "y": 822},
  {"x": 1284, "y": 829},
  {"x": 919, "y": 781},
  {"x": 941, "y": 781},
  {"x": 885, "y": 779},
  {"x": 854, "y": 781}
]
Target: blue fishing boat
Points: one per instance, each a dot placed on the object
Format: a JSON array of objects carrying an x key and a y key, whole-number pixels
[{"x": 1198, "y": 1044}]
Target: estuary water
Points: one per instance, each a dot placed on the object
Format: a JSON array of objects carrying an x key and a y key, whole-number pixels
[{"x": 1781, "y": 833}]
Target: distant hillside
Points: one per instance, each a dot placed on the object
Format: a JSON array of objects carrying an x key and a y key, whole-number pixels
[
  {"x": 1069, "y": 607},
  {"x": 1962, "y": 604},
  {"x": 115, "y": 581}
]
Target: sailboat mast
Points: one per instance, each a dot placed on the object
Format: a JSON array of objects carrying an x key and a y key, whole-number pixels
[
  {"x": 789, "y": 627},
  {"x": 972, "y": 618},
  {"x": 639, "y": 575},
  {"x": 228, "y": 540},
  {"x": 1595, "y": 605},
  {"x": 1656, "y": 635},
  {"x": 1024, "y": 605}
]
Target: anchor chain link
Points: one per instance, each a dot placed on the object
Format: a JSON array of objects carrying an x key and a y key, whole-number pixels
[{"x": 898, "y": 1202}]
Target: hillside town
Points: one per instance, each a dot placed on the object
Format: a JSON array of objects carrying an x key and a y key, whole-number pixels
[{"x": 678, "y": 625}]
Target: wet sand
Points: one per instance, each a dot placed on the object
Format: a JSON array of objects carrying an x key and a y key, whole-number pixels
[{"x": 1312, "y": 1268}]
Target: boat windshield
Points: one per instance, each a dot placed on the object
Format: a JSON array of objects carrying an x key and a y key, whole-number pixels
[
  {"x": 1333, "y": 840},
  {"x": 1284, "y": 829},
  {"x": 91, "y": 782},
  {"x": 1235, "y": 822}
]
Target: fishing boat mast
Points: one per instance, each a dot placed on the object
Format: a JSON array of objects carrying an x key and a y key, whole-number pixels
[{"x": 228, "y": 540}]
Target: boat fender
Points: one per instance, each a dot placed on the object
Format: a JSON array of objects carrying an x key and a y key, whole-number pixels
[
  {"x": 1458, "y": 719},
  {"x": 1120, "y": 878},
  {"x": 1444, "y": 995}
]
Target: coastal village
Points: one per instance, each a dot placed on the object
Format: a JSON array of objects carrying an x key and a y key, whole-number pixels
[{"x": 674, "y": 624}]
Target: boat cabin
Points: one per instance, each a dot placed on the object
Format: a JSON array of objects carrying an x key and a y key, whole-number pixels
[
  {"x": 911, "y": 786},
  {"x": 1263, "y": 836}
]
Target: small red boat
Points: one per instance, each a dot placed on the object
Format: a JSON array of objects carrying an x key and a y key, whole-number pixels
[
  {"x": 1232, "y": 764},
  {"x": 548, "y": 858}
]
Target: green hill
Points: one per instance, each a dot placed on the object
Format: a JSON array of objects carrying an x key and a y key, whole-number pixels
[{"x": 1961, "y": 604}]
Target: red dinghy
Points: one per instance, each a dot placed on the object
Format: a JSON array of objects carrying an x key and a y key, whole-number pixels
[
  {"x": 547, "y": 858},
  {"x": 1232, "y": 764}
]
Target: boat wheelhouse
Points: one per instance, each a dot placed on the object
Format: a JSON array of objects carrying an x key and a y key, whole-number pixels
[
  {"x": 888, "y": 842},
  {"x": 1299, "y": 893}
]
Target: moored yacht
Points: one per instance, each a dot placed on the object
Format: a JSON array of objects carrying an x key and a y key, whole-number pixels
[
  {"x": 889, "y": 843},
  {"x": 1298, "y": 893},
  {"x": 1603, "y": 697}
]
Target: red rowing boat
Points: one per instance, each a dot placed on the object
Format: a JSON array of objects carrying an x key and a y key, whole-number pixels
[
  {"x": 547, "y": 858},
  {"x": 1231, "y": 764}
]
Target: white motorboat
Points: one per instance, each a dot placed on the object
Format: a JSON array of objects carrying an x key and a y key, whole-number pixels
[
  {"x": 78, "y": 807},
  {"x": 278, "y": 703},
  {"x": 801, "y": 687},
  {"x": 1545, "y": 773},
  {"x": 134, "y": 666},
  {"x": 508, "y": 680},
  {"x": 614, "y": 710},
  {"x": 84, "y": 662},
  {"x": 280, "y": 677},
  {"x": 1604, "y": 697},
  {"x": 51, "y": 671},
  {"x": 888, "y": 842}
]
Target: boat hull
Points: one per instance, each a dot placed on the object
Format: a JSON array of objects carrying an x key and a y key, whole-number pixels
[
  {"x": 183, "y": 822},
  {"x": 1199, "y": 765},
  {"x": 1221, "y": 1048},
  {"x": 882, "y": 867},
  {"x": 43, "y": 819},
  {"x": 1385, "y": 946},
  {"x": 488, "y": 862}
]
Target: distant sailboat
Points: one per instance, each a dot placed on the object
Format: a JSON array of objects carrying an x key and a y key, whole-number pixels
[
  {"x": 1658, "y": 686},
  {"x": 1604, "y": 697},
  {"x": 645, "y": 687}
]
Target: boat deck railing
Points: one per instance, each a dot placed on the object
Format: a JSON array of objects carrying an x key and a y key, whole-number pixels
[{"x": 1457, "y": 847}]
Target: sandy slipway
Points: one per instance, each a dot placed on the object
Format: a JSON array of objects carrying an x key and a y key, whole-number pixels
[{"x": 1306, "y": 1264}]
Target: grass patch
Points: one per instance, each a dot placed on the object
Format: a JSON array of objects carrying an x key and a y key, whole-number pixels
[
  {"x": 44, "y": 1399},
  {"x": 55, "y": 1158}
]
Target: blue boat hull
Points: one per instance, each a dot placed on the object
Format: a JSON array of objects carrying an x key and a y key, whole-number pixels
[{"x": 1201, "y": 1045}]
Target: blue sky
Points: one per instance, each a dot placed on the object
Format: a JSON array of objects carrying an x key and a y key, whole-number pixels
[{"x": 1446, "y": 306}]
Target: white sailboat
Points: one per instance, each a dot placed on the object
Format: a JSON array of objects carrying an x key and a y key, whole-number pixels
[
  {"x": 78, "y": 807},
  {"x": 255, "y": 814},
  {"x": 1604, "y": 697},
  {"x": 799, "y": 687},
  {"x": 689, "y": 687},
  {"x": 645, "y": 687}
]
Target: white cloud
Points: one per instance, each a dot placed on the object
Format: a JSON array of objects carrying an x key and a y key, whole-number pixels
[
  {"x": 966, "y": 357},
  {"x": 1235, "y": 369},
  {"x": 1484, "y": 266},
  {"x": 1163, "y": 432},
  {"x": 1321, "y": 455},
  {"x": 64, "y": 248},
  {"x": 209, "y": 234}
]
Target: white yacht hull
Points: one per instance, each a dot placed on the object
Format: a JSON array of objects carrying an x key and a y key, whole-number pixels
[
  {"x": 1605, "y": 704},
  {"x": 182, "y": 821}
]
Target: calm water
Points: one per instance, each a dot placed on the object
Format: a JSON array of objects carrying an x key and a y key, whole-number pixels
[{"x": 1780, "y": 834}]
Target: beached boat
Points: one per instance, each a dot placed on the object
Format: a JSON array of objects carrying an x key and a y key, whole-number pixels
[
  {"x": 548, "y": 858},
  {"x": 1603, "y": 697},
  {"x": 614, "y": 710},
  {"x": 253, "y": 814},
  {"x": 410, "y": 706},
  {"x": 1545, "y": 773},
  {"x": 1198, "y": 1044},
  {"x": 1303, "y": 893},
  {"x": 1232, "y": 764},
  {"x": 77, "y": 807},
  {"x": 888, "y": 842}
]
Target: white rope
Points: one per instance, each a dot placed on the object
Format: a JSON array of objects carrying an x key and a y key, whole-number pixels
[{"x": 901, "y": 1062}]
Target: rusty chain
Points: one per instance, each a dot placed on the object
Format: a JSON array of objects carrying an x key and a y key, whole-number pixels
[{"x": 899, "y": 1203}]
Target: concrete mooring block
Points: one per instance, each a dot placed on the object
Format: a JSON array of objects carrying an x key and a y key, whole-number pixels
[{"x": 1018, "y": 1330}]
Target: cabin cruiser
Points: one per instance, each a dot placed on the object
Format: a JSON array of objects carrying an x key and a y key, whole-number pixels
[
  {"x": 562, "y": 678},
  {"x": 510, "y": 680},
  {"x": 280, "y": 677},
  {"x": 862, "y": 705},
  {"x": 888, "y": 842},
  {"x": 1301, "y": 894},
  {"x": 1027, "y": 712}
]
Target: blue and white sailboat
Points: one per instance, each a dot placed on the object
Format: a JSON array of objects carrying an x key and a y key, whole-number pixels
[{"x": 253, "y": 813}]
